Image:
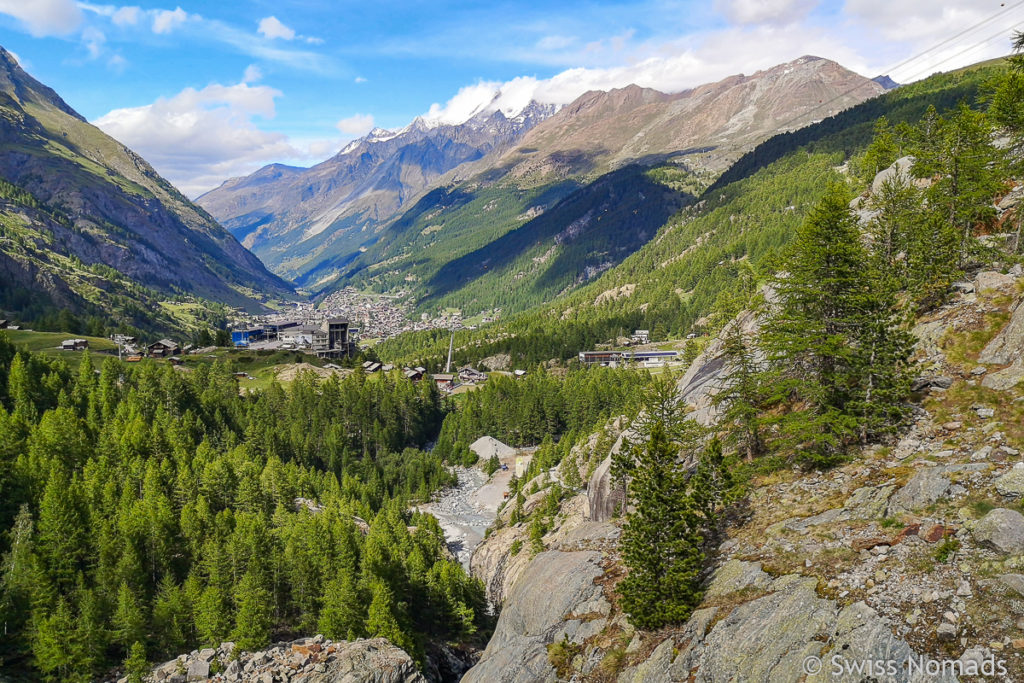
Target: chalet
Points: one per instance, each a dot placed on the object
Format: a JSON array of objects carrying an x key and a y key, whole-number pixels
[
  {"x": 174, "y": 360},
  {"x": 74, "y": 344},
  {"x": 3, "y": 324},
  {"x": 444, "y": 381},
  {"x": 370, "y": 367},
  {"x": 123, "y": 339},
  {"x": 387, "y": 368},
  {"x": 641, "y": 336},
  {"x": 471, "y": 376},
  {"x": 413, "y": 374},
  {"x": 163, "y": 348}
]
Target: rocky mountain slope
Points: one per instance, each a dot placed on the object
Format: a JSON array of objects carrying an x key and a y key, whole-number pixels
[
  {"x": 708, "y": 126},
  {"x": 909, "y": 553},
  {"x": 543, "y": 207},
  {"x": 292, "y": 217},
  {"x": 76, "y": 205}
]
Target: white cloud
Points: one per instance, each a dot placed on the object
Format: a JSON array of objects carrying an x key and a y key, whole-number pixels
[
  {"x": 198, "y": 138},
  {"x": 252, "y": 74},
  {"x": 165, "y": 21},
  {"x": 126, "y": 16},
  {"x": 555, "y": 42},
  {"x": 360, "y": 79},
  {"x": 93, "y": 39},
  {"x": 44, "y": 17},
  {"x": 779, "y": 12},
  {"x": 271, "y": 27},
  {"x": 934, "y": 36},
  {"x": 117, "y": 63},
  {"x": 357, "y": 124}
]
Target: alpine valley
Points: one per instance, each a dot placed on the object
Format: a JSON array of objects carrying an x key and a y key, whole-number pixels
[{"x": 721, "y": 384}]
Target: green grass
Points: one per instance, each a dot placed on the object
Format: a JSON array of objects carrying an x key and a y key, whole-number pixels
[{"x": 49, "y": 342}]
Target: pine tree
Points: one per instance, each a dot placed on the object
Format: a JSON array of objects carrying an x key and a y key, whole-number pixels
[
  {"x": 136, "y": 668},
  {"x": 662, "y": 543},
  {"x": 342, "y": 615},
  {"x": 743, "y": 396},
  {"x": 51, "y": 634},
  {"x": 129, "y": 620},
  {"x": 382, "y": 621},
  {"x": 254, "y": 607},
  {"x": 881, "y": 153},
  {"x": 808, "y": 338},
  {"x": 958, "y": 154}
]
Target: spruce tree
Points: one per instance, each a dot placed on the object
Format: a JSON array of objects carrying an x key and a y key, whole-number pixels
[
  {"x": 662, "y": 543},
  {"x": 808, "y": 339},
  {"x": 136, "y": 668},
  {"x": 743, "y": 397},
  {"x": 253, "y": 613},
  {"x": 382, "y": 621},
  {"x": 342, "y": 615},
  {"x": 129, "y": 620}
]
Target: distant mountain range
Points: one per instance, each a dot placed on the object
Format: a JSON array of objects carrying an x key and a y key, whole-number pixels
[
  {"x": 290, "y": 216},
  {"x": 506, "y": 212},
  {"x": 88, "y": 225}
]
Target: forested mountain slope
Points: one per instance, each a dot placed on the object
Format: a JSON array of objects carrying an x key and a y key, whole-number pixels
[
  {"x": 703, "y": 258},
  {"x": 88, "y": 225},
  {"x": 574, "y": 197}
]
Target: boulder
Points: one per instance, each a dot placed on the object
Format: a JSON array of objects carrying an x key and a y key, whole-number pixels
[
  {"x": 198, "y": 670},
  {"x": 930, "y": 381},
  {"x": 1012, "y": 483},
  {"x": 991, "y": 279},
  {"x": 364, "y": 661},
  {"x": 900, "y": 167},
  {"x": 868, "y": 502},
  {"x": 923, "y": 489},
  {"x": 1005, "y": 347},
  {"x": 1002, "y": 530},
  {"x": 1005, "y": 379}
]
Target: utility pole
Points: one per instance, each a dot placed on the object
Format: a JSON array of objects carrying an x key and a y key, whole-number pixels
[{"x": 451, "y": 347}]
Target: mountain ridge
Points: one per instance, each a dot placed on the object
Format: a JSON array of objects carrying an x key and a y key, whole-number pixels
[{"x": 76, "y": 200}]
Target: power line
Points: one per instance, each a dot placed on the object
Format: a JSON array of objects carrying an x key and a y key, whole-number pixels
[
  {"x": 914, "y": 57},
  {"x": 1001, "y": 34},
  {"x": 954, "y": 37}
]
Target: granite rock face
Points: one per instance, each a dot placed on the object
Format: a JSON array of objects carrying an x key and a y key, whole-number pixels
[{"x": 555, "y": 598}]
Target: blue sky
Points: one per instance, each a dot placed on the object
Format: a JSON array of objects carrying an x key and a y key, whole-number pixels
[{"x": 210, "y": 90}]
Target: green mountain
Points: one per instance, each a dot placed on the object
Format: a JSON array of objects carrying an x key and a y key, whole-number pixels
[
  {"x": 577, "y": 195},
  {"x": 690, "y": 276},
  {"x": 87, "y": 226}
]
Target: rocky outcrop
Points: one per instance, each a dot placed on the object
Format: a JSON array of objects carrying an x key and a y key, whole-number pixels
[
  {"x": 535, "y": 615},
  {"x": 1001, "y": 529},
  {"x": 307, "y": 660},
  {"x": 1005, "y": 349},
  {"x": 605, "y": 498}
]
